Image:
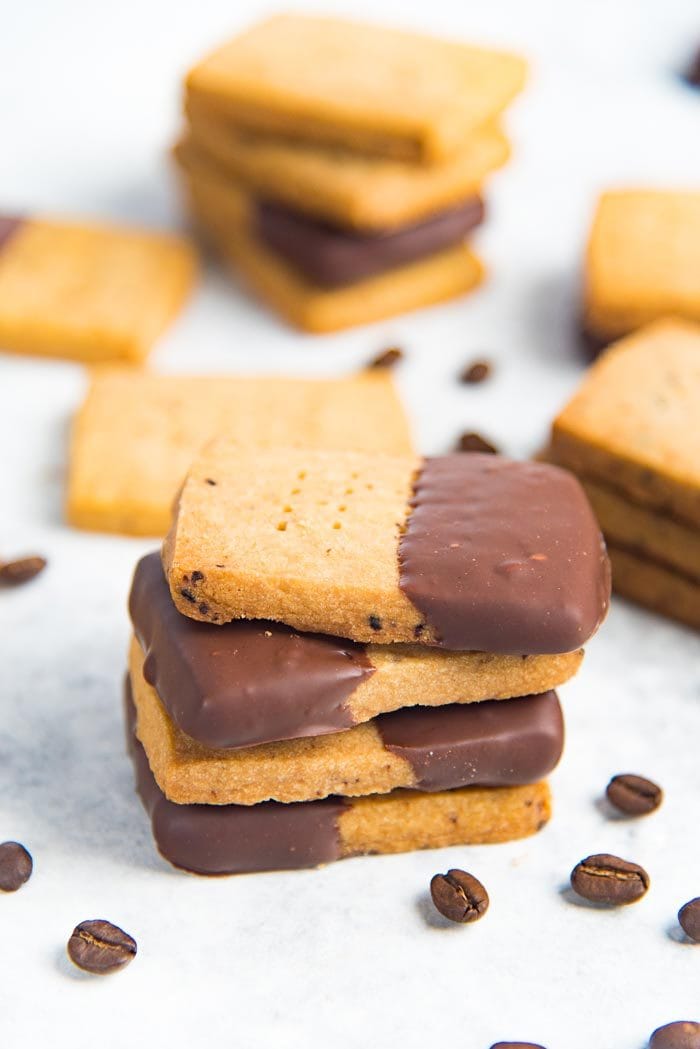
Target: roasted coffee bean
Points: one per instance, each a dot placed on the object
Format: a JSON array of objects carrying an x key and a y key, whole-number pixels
[
  {"x": 689, "y": 918},
  {"x": 516, "y": 1045},
  {"x": 474, "y": 442},
  {"x": 21, "y": 571},
  {"x": 476, "y": 372},
  {"x": 683, "y": 1034},
  {"x": 387, "y": 358},
  {"x": 15, "y": 866},
  {"x": 633, "y": 795},
  {"x": 100, "y": 947},
  {"x": 608, "y": 879},
  {"x": 459, "y": 896},
  {"x": 692, "y": 73}
]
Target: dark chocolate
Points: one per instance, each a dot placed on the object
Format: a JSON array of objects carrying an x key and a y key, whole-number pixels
[
  {"x": 505, "y": 557},
  {"x": 235, "y": 839},
  {"x": 246, "y": 682},
  {"x": 333, "y": 257},
  {"x": 9, "y": 225},
  {"x": 493, "y": 744}
]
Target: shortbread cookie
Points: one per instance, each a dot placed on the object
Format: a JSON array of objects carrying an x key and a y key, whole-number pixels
[
  {"x": 495, "y": 743},
  {"x": 652, "y": 584},
  {"x": 267, "y": 682},
  {"x": 633, "y": 424},
  {"x": 653, "y": 535},
  {"x": 473, "y": 552},
  {"x": 136, "y": 433},
  {"x": 444, "y": 276},
  {"x": 643, "y": 260},
  {"x": 87, "y": 292},
  {"x": 374, "y": 90},
  {"x": 234, "y": 839},
  {"x": 346, "y": 188}
]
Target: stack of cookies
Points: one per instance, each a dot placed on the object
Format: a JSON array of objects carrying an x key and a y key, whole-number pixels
[
  {"x": 339, "y": 167},
  {"x": 632, "y": 434},
  {"x": 342, "y": 653}
]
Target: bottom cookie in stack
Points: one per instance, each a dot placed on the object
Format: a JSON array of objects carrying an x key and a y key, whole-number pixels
[
  {"x": 323, "y": 277},
  {"x": 632, "y": 435}
]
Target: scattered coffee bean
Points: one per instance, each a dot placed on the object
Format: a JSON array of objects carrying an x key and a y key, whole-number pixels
[
  {"x": 459, "y": 896},
  {"x": 387, "y": 358},
  {"x": 683, "y": 1034},
  {"x": 633, "y": 795},
  {"x": 692, "y": 73},
  {"x": 689, "y": 918},
  {"x": 474, "y": 442},
  {"x": 608, "y": 879},
  {"x": 476, "y": 372},
  {"x": 100, "y": 947},
  {"x": 22, "y": 570},
  {"x": 516, "y": 1045},
  {"x": 15, "y": 866}
]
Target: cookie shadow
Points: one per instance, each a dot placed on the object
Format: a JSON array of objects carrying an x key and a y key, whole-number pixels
[{"x": 554, "y": 318}]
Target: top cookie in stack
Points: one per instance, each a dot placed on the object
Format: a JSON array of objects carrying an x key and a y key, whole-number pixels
[{"x": 340, "y": 166}]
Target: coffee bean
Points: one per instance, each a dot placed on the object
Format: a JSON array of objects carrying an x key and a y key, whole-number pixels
[
  {"x": 516, "y": 1045},
  {"x": 476, "y": 372},
  {"x": 459, "y": 896},
  {"x": 689, "y": 918},
  {"x": 21, "y": 571},
  {"x": 15, "y": 866},
  {"x": 608, "y": 879},
  {"x": 387, "y": 358},
  {"x": 634, "y": 795},
  {"x": 683, "y": 1034},
  {"x": 474, "y": 442},
  {"x": 692, "y": 73},
  {"x": 100, "y": 947}
]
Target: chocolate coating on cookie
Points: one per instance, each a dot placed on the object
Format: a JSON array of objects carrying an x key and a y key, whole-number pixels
[
  {"x": 333, "y": 257},
  {"x": 246, "y": 682},
  {"x": 494, "y": 744},
  {"x": 234, "y": 839},
  {"x": 503, "y": 557}
]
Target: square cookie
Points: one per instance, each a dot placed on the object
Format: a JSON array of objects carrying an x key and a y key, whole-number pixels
[
  {"x": 87, "y": 292},
  {"x": 634, "y": 423},
  {"x": 375, "y": 90},
  {"x": 642, "y": 260},
  {"x": 136, "y": 433},
  {"x": 345, "y": 188},
  {"x": 472, "y": 552}
]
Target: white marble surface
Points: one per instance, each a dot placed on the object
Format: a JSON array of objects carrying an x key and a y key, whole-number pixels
[{"x": 348, "y": 956}]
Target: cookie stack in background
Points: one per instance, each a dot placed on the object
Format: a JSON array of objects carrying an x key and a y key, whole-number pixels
[
  {"x": 339, "y": 167},
  {"x": 632, "y": 435},
  {"x": 306, "y": 603}
]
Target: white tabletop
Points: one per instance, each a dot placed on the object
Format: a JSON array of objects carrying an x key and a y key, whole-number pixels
[{"x": 348, "y": 956}]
